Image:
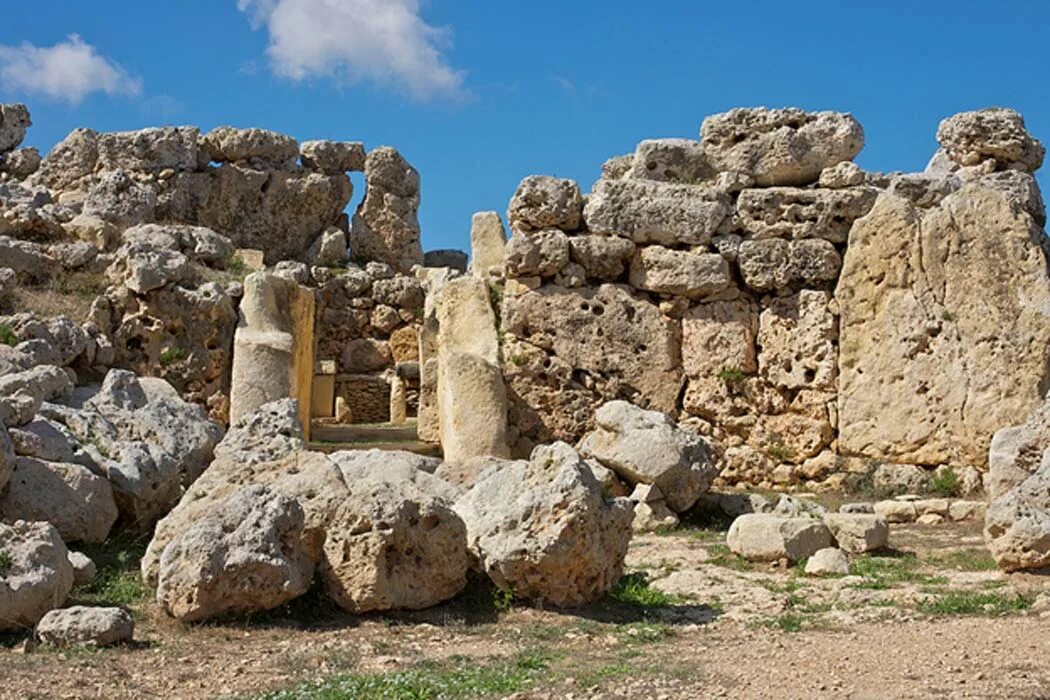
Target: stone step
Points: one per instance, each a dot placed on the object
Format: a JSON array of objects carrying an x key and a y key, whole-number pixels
[
  {"x": 418, "y": 446},
  {"x": 378, "y": 432}
]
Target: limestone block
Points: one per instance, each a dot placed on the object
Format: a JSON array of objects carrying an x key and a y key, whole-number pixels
[
  {"x": 488, "y": 239},
  {"x": 797, "y": 337},
  {"x": 692, "y": 275},
  {"x": 273, "y": 346},
  {"x": 780, "y": 146},
  {"x": 655, "y": 212},
  {"x": 944, "y": 333}
]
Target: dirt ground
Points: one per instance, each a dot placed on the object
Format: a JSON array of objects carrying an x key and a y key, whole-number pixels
[{"x": 930, "y": 619}]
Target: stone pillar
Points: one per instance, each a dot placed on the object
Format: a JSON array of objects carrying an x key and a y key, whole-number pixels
[
  {"x": 471, "y": 395},
  {"x": 398, "y": 401},
  {"x": 385, "y": 227},
  {"x": 427, "y": 424},
  {"x": 273, "y": 348},
  {"x": 487, "y": 242}
]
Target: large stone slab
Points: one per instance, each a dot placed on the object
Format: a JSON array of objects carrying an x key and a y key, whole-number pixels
[
  {"x": 945, "y": 327},
  {"x": 656, "y": 212}
]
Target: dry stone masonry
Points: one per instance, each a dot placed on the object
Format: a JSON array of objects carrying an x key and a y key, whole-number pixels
[{"x": 181, "y": 313}]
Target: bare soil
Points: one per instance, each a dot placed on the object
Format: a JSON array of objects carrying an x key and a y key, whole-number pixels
[{"x": 932, "y": 620}]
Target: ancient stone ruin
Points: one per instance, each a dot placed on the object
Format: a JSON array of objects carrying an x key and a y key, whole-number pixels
[{"x": 199, "y": 343}]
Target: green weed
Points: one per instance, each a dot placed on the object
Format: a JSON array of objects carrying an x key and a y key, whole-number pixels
[
  {"x": 170, "y": 356},
  {"x": 633, "y": 589},
  {"x": 7, "y": 335},
  {"x": 975, "y": 603}
]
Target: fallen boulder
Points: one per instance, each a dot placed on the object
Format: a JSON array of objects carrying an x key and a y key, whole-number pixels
[
  {"x": 86, "y": 626},
  {"x": 36, "y": 576},
  {"x": 765, "y": 537}
]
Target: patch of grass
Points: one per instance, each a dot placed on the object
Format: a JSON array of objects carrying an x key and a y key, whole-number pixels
[
  {"x": 788, "y": 622},
  {"x": 7, "y": 335},
  {"x": 644, "y": 633},
  {"x": 118, "y": 582},
  {"x": 731, "y": 375},
  {"x": 237, "y": 267},
  {"x": 519, "y": 360},
  {"x": 962, "y": 602},
  {"x": 776, "y": 449},
  {"x": 882, "y": 572},
  {"x": 633, "y": 589},
  {"x": 720, "y": 555},
  {"x": 457, "y": 679},
  {"x": 947, "y": 316},
  {"x": 604, "y": 673},
  {"x": 5, "y": 562},
  {"x": 502, "y": 600},
  {"x": 945, "y": 483},
  {"x": 964, "y": 560},
  {"x": 170, "y": 356}
]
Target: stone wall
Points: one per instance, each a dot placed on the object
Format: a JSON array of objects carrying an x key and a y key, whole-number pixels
[{"x": 705, "y": 279}]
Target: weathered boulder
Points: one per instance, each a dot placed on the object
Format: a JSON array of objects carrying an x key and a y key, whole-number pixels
[
  {"x": 333, "y": 157},
  {"x": 256, "y": 148},
  {"x": 1016, "y": 452},
  {"x": 543, "y": 253},
  {"x": 198, "y": 243},
  {"x": 773, "y": 263},
  {"x": 858, "y": 533},
  {"x": 38, "y": 576},
  {"x": 793, "y": 213},
  {"x": 84, "y": 570},
  {"x": 14, "y": 120},
  {"x": 1017, "y": 524},
  {"x": 268, "y": 433},
  {"x": 395, "y": 541},
  {"x": 70, "y": 163},
  {"x": 670, "y": 160},
  {"x": 542, "y": 529},
  {"x": 996, "y": 134},
  {"x": 845, "y": 174},
  {"x": 142, "y": 268},
  {"x": 655, "y": 212},
  {"x": 543, "y": 202},
  {"x": 77, "y": 502},
  {"x": 828, "y": 562},
  {"x": 246, "y": 555},
  {"x": 86, "y": 626},
  {"x": 20, "y": 163},
  {"x": 62, "y": 340},
  {"x": 692, "y": 275},
  {"x": 767, "y": 537},
  {"x": 780, "y": 146},
  {"x": 386, "y": 225},
  {"x": 648, "y": 447},
  {"x": 944, "y": 335},
  {"x": 43, "y": 383}
]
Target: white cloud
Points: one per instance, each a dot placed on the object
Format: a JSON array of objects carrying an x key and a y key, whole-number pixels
[
  {"x": 69, "y": 71},
  {"x": 382, "y": 41}
]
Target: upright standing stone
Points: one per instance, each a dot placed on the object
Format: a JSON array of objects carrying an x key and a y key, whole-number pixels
[
  {"x": 386, "y": 225},
  {"x": 945, "y": 327},
  {"x": 487, "y": 242},
  {"x": 472, "y": 399},
  {"x": 273, "y": 347}
]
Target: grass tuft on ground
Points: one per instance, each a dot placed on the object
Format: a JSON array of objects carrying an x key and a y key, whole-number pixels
[
  {"x": 962, "y": 602},
  {"x": 457, "y": 679},
  {"x": 118, "y": 582},
  {"x": 634, "y": 590}
]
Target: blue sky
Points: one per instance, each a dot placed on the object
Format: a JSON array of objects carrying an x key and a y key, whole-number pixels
[{"x": 479, "y": 94}]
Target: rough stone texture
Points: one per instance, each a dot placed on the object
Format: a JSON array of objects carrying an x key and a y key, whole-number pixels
[
  {"x": 488, "y": 239},
  {"x": 1016, "y": 452},
  {"x": 793, "y": 213},
  {"x": 845, "y": 174},
  {"x": 997, "y": 134},
  {"x": 602, "y": 258},
  {"x": 797, "y": 335},
  {"x": 670, "y": 160},
  {"x": 543, "y": 530},
  {"x": 117, "y": 198},
  {"x": 1017, "y": 524},
  {"x": 446, "y": 257},
  {"x": 247, "y": 555},
  {"x": 654, "y": 212},
  {"x": 86, "y": 626},
  {"x": 149, "y": 150},
  {"x": 78, "y": 503},
  {"x": 273, "y": 347},
  {"x": 767, "y": 537},
  {"x": 543, "y": 202},
  {"x": 720, "y": 336},
  {"x": 648, "y": 447},
  {"x": 569, "y": 350},
  {"x": 386, "y": 225},
  {"x": 39, "y": 576},
  {"x": 395, "y": 541},
  {"x": 70, "y": 162},
  {"x": 14, "y": 120},
  {"x": 333, "y": 157},
  {"x": 543, "y": 253},
  {"x": 944, "y": 333},
  {"x": 828, "y": 562},
  {"x": 858, "y": 533},
  {"x": 255, "y": 148},
  {"x": 84, "y": 570},
  {"x": 666, "y": 271},
  {"x": 43, "y": 383},
  {"x": 20, "y": 163},
  {"x": 780, "y": 146}
]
